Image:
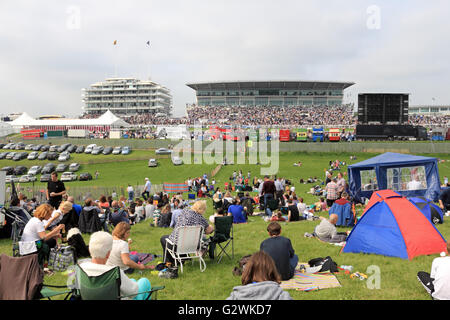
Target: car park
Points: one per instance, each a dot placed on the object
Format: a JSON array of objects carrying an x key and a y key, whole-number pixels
[
  {"x": 27, "y": 178},
  {"x": 63, "y": 147},
  {"x": 177, "y": 161},
  {"x": 64, "y": 156},
  {"x": 74, "y": 167},
  {"x": 126, "y": 150},
  {"x": 8, "y": 170},
  {"x": 20, "y": 146},
  {"x": 107, "y": 150},
  {"x": 37, "y": 147},
  {"x": 163, "y": 151},
  {"x": 3, "y": 155},
  {"x": 68, "y": 176},
  {"x": 45, "y": 177},
  {"x": 20, "y": 156},
  {"x": 80, "y": 149},
  {"x": 52, "y": 156},
  {"x": 34, "y": 170},
  {"x": 9, "y": 146},
  {"x": 53, "y": 148},
  {"x": 61, "y": 167},
  {"x": 45, "y": 148},
  {"x": 152, "y": 163},
  {"x": 29, "y": 146},
  {"x": 20, "y": 170},
  {"x": 89, "y": 148},
  {"x": 97, "y": 150},
  {"x": 43, "y": 155},
  {"x": 117, "y": 150},
  {"x": 10, "y": 155},
  {"x": 48, "y": 168},
  {"x": 85, "y": 176},
  {"x": 33, "y": 155},
  {"x": 11, "y": 178}
]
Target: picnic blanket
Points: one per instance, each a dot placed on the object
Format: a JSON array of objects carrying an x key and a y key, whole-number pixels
[
  {"x": 310, "y": 281},
  {"x": 145, "y": 258}
]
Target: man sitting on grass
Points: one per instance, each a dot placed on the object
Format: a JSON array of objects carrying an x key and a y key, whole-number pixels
[
  {"x": 326, "y": 230},
  {"x": 281, "y": 251}
]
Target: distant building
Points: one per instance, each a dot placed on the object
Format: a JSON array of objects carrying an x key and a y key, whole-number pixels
[
  {"x": 430, "y": 110},
  {"x": 270, "y": 93},
  {"x": 127, "y": 96},
  {"x": 50, "y": 117}
]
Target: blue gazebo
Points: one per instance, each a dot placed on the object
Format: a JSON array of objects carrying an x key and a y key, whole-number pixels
[{"x": 409, "y": 175}]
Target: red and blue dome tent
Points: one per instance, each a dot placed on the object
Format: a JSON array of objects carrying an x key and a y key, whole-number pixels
[
  {"x": 397, "y": 172},
  {"x": 429, "y": 209},
  {"x": 392, "y": 226}
]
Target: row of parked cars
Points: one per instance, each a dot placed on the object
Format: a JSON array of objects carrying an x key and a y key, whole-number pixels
[
  {"x": 55, "y": 152},
  {"x": 45, "y": 171}
]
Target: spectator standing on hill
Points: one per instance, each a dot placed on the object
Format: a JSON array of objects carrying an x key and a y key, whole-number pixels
[
  {"x": 332, "y": 192},
  {"x": 55, "y": 190},
  {"x": 341, "y": 183},
  {"x": 130, "y": 191},
  {"x": 268, "y": 190},
  {"x": 147, "y": 188}
]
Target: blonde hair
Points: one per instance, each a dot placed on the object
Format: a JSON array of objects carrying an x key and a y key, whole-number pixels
[
  {"x": 199, "y": 206},
  {"x": 44, "y": 211},
  {"x": 66, "y": 206},
  {"x": 121, "y": 229}
]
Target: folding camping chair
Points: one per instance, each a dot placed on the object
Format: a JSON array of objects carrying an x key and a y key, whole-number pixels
[
  {"x": 29, "y": 287},
  {"x": 223, "y": 232},
  {"x": 187, "y": 246},
  {"x": 17, "y": 225},
  {"x": 105, "y": 286},
  {"x": 272, "y": 205}
]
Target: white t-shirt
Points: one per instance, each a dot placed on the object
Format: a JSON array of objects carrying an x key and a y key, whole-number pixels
[
  {"x": 140, "y": 211},
  {"x": 130, "y": 189},
  {"x": 127, "y": 286},
  {"x": 149, "y": 209},
  {"x": 301, "y": 207},
  {"x": 440, "y": 272},
  {"x": 115, "y": 258},
  {"x": 32, "y": 229}
]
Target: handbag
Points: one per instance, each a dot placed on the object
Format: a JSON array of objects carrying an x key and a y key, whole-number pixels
[{"x": 61, "y": 258}]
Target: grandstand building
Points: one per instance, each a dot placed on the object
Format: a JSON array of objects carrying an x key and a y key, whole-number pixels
[
  {"x": 269, "y": 93},
  {"x": 127, "y": 96},
  {"x": 430, "y": 110}
]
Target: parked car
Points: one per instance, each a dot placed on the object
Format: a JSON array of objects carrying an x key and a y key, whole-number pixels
[
  {"x": 43, "y": 155},
  {"x": 34, "y": 170},
  {"x": 89, "y": 148},
  {"x": 61, "y": 167},
  {"x": 52, "y": 156},
  {"x": 29, "y": 146},
  {"x": 10, "y": 146},
  {"x": 163, "y": 151},
  {"x": 20, "y": 156},
  {"x": 27, "y": 178},
  {"x": 80, "y": 149},
  {"x": 9, "y": 170},
  {"x": 177, "y": 161},
  {"x": 74, "y": 167},
  {"x": 20, "y": 170},
  {"x": 117, "y": 150},
  {"x": 11, "y": 178},
  {"x": 72, "y": 148},
  {"x": 63, "y": 147},
  {"x": 10, "y": 155},
  {"x": 126, "y": 150},
  {"x": 48, "y": 168},
  {"x": 2, "y": 145},
  {"x": 3, "y": 155},
  {"x": 64, "y": 156},
  {"x": 53, "y": 148},
  {"x": 97, "y": 150},
  {"x": 46, "y": 177},
  {"x": 37, "y": 147},
  {"x": 85, "y": 176},
  {"x": 33, "y": 155},
  {"x": 20, "y": 146},
  {"x": 152, "y": 163},
  {"x": 45, "y": 148},
  {"x": 108, "y": 150},
  {"x": 68, "y": 176}
]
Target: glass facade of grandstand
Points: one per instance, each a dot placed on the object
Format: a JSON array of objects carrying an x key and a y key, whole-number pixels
[
  {"x": 127, "y": 96},
  {"x": 270, "y": 93},
  {"x": 430, "y": 110}
]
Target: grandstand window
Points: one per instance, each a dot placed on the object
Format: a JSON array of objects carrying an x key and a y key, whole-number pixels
[
  {"x": 368, "y": 180},
  {"x": 407, "y": 178},
  {"x": 261, "y": 101}
]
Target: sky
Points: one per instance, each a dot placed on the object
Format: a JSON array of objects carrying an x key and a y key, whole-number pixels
[{"x": 50, "y": 50}]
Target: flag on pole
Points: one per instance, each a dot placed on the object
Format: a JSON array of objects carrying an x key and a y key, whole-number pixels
[{"x": 115, "y": 42}]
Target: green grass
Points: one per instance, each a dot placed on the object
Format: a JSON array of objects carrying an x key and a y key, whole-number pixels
[{"x": 398, "y": 277}]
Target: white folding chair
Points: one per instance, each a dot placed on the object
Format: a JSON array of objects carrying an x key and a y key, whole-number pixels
[{"x": 188, "y": 246}]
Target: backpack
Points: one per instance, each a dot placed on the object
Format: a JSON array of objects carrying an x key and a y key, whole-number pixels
[
  {"x": 61, "y": 258},
  {"x": 327, "y": 264},
  {"x": 237, "y": 271}
]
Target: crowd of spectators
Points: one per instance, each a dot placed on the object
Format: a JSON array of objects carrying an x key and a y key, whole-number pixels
[{"x": 429, "y": 120}]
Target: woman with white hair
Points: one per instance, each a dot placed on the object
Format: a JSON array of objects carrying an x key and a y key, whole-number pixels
[
  {"x": 189, "y": 217},
  {"x": 100, "y": 246}
]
